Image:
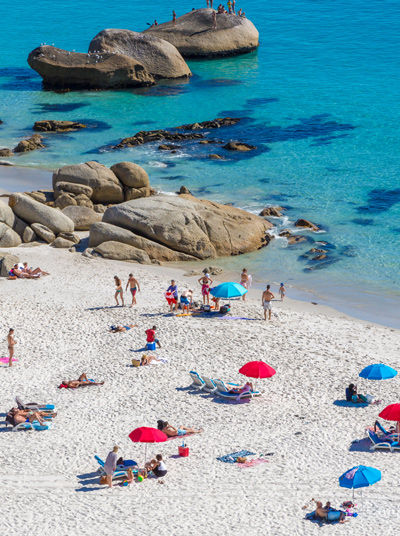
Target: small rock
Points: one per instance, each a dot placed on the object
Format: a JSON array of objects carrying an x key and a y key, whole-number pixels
[
  {"x": 296, "y": 239},
  {"x": 285, "y": 233},
  {"x": 136, "y": 193},
  {"x": 168, "y": 147},
  {"x": 184, "y": 190},
  {"x": 122, "y": 252},
  {"x": 83, "y": 217},
  {"x": 72, "y": 188},
  {"x": 306, "y": 223},
  {"x": 319, "y": 257},
  {"x": 37, "y": 196},
  {"x": 6, "y": 152},
  {"x": 8, "y": 237},
  {"x": 30, "y": 144},
  {"x": 72, "y": 237},
  {"x": 61, "y": 243},
  {"x": 238, "y": 146},
  {"x": 214, "y": 156},
  {"x": 100, "y": 209},
  {"x": 131, "y": 175},
  {"x": 82, "y": 200},
  {"x": 31, "y": 244},
  {"x": 57, "y": 126},
  {"x": 64, "y": 200},
  {"x": 43, "y": 232},
  {"x": 275, "y": 212}
]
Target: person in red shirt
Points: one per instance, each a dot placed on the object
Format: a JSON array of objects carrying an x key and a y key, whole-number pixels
[{"x": 151, "y": 336}]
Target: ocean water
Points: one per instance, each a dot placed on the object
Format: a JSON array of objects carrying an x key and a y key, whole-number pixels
[{"x": 319, "y": 99}]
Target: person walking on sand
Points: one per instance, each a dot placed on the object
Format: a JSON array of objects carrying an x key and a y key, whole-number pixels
[
  {"x": 214, "y": 20},
  {"x": 267, "y": 296},
  {"x": 282, "y": 291},
  {"x": 110, "y": 465},
  {"x": 118, "y": 290},
  {"x": 134, "y": 287},
  {"x": 11, "y": 343}
]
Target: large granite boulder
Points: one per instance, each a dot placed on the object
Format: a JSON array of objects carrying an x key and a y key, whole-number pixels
[
  {"x": 8, "y": 237},
  {"x": 7, "y": 261},
  {"x": 62, "y": 69},
  {"x": 83, "y": 217},
  {"x": 71, "y": 188},
  {"x": 32, "y": 211},
  {"x": 106, "y": 232},
  {"x": 159, "y": 57},
  {"x": 6, "y": 215},
  {"x": 122, "y": 252},
  {"x": 193, "y": 34},
  {"x": 131, "y": 175},
  {"x": 23, "y": 229},
  {"x": 105, "y": 185},
  {"x": 44, "y": 232},
  {"x": 196, "y": 227}
]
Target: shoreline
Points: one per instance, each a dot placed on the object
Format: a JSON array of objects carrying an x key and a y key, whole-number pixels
[{"x": 20, "y": 179}]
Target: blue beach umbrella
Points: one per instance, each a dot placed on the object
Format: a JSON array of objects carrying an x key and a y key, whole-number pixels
[
  {"x": 228, "y": 290},
  {"x": 378, "y": 371},
  {"x": 360, "y": 476}
]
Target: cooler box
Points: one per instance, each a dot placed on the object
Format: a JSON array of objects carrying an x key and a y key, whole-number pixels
[
  {"x": 183, "y": 452},
  {"x": 151, "y": 346}
]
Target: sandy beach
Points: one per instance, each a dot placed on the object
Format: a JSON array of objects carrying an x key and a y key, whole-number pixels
[{"x": 61, "y": 323}]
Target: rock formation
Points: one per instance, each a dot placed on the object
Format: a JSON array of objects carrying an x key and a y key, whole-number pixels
[
  {"x": 193, "y": 34},
  {"x": 159, "y": 57},
  {"x": 61, "y": 69},
  {"x": 83, "y": 217},
  {"x": 52, "y": 125},
  {"x": 30, "y": 144},
  {"x": 199, "y": 228}
]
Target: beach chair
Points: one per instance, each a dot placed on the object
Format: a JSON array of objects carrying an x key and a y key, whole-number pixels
[
  {"x": 35, "y": 425},
  {"x": 209, "y": 385},
  {"x": 33, "y": 406},
  {"x": 198, "y": 382},
  {"x": 120, "y": 471},
  {"x": 377, "y": 442},
  {"x": 224, "y": 391},
  {"x": 382, "y": 429}
]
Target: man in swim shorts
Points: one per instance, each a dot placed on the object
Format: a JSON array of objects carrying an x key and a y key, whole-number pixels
[
  {"x": 134, "y": 287},
  {"x": 266, "y": 299}
]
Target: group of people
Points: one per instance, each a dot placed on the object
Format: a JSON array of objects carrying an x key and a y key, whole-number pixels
[
  {"x": 23, "y": 271},
  {"x": 231, "y": 4},
  {"x": 18, "y": 415}
]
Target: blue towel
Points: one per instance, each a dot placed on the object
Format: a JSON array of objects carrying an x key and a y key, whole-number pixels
[{"x": 231, "y": 458}]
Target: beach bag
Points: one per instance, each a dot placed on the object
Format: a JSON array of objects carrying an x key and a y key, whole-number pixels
[{"x": 224, "y": 310}]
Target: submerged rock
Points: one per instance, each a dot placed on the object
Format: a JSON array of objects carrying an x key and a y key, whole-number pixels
[
  {"x": 52, "y": 125},
  {"x": 6, "y": 152},
  {"x": 159, "y": 57},
  {"x": 239, "y": 146},
  {"x": 62, "y": 69},
  {"x": 194, "y": 36}
]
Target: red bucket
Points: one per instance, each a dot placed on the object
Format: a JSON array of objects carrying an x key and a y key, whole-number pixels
[{"x": 183, "y": 451}]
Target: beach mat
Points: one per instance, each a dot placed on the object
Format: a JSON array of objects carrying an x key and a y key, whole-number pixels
[
  {"x": 231, "y": 458},
  {"x": 6, "y": 359}
]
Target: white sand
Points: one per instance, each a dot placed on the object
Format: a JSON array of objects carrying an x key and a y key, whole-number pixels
[{"x": 48, "y": 479}]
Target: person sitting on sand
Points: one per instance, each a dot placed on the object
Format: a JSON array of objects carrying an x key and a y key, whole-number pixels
[
  {"x": 17, "y": 272},
  {"x": 31, "y": 271},
  {"x": 353, "y": 396},
  {"x": 157, "y": 466},
  {"x": 246, "y": 388},
  {"x": 82, "y": 381},
  {"x": 119, "y": 329},
  {"x": 186, "y": 300},
  {"x": 171, "y": 431},
  {"x": 151, "y": 336},
  {"x": 328, "y": 513}
]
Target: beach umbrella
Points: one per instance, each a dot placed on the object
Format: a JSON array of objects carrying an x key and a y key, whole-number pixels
[
  {"x": 257, "y": 369},
  {"x": 228, "y": 290},
  {"x": 360, "y": 476},
  {"x": 145, "y": 434},
  {"x": 378, "y": 371},
  {"x": 392, "y": 413}
]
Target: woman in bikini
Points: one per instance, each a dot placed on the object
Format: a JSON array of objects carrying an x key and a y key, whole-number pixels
[
  {"x": 118, "y": 290},
  {"x": 245, "y": 280},
  {"x": 205, "y": 283},
  {"x": 171, "y": 431},
  {"x": 11, "y": 343}
]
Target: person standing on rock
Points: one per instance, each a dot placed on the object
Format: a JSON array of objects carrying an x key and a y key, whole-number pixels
[
  {"x": 11, "y": 342},
  {"x": 174, "y": 17},
  {"x": 266, "y": 299},
  {"x": 118, "y": 290},
  {"x": 233, "y": 6},
  {"x": 229, "y": 4},
  {"x": 134, "y": 287},
  {"x": 214, "y": 20}
]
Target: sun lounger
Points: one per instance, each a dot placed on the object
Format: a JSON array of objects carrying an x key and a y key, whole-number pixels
[
  {"x": 33, "y": 406},
  {"x": 198, "y": 382},
  {"x": 382, "y": 429},
  {"x": 120, "y": 470},
  {"x": 35, "y": 425},
  {"x": 377, "y": 442},
  {"x": 210, "y": 384},
  {"x": 224, "y": 391}
]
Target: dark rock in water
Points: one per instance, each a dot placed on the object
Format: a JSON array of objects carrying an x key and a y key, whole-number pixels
[
  {"x": 320, "y": 265},
  {"x": 184, "y": 190},
  {"x": 51, "y": 125},
  {"x": 168, "y": 147},
  {"x": 380, "y": 200},
  {"x": 238, "y": 146},
  {"x": 296, "y": 239},
  {"x": 6, "y": 152},
  {"x": 275, "y": 212},
  {"x": 208, "y": 142},
  {"x": 30, "y": 144},
  {"x": 313, "y": 253},
  {"x": 306, "y": 223},
  {"x": 149, "y": 136},
  {"x": 319, "y": 257},
  {"x": 215, "y": 156},
  {"x": 285, "y": 233},
  {"x": 214, "y": 123},
  {"x": 194, "y": 36},
  {"x": 62, "y": 69}
]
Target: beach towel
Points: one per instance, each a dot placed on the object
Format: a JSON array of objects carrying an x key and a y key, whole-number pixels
[
  {"x": 252, "y": 463},
  {"x": 6, "y": 359},
  {"x": 231, "y": 458}
]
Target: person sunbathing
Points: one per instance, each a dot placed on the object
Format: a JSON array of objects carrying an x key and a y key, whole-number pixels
[
  {"x": 171, "y": 431},
  {"x": 120, "y": 329},
  {"x": 147, "y": 359},
  {"x": 82, "y": 381},
  {"x": 17, "y": 272},
  {"x": 26, "y": 415},
  {"x": 246, "y": 388},
  {"x": 31, "y": 271}
]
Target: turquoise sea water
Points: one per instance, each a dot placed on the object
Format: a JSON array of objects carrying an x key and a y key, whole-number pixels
[{"x": 320, "y": 100}]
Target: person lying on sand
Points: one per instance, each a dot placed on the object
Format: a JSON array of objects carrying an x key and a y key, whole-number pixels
[
  {"x": 31, "y": 271},
  {"x": 147, "y": 359},
  {"x": 171, "y": 431},
  {"x": 119, "y": 329},
  {"x": 27, "y": 415},
  {"x": 80, "y": 382}
]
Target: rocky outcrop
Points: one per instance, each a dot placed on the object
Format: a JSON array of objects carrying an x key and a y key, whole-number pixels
[
  {"x": 159, "y": 57},
  {"x": 275, "y": 212},
  {"x": 8, "y": 237},
  {"x": 194, "y": 36},
  {"x": 199, "y": 228},
  {"x": 62, "y": 69},
  {"x": 306, "y": 224},
  {"x": 122, "y": 252},
  {"x": 131, "y": 175},
  {"x": 219, "y": 122},
  {"x": 32, "y": 211},
  {"x": 103, "y": 182},
  {"x": 44, "y": 232},
  {"x": 151, "y": 136},
  {"x": 239, "y": 146},
  {"x": 83, "y": 217},
  {"x": 106, "y": 232},
  {"x": 7, "y": 261},
  {"x": 52, "y": 125},
  {"x": 30, "y": 144}
]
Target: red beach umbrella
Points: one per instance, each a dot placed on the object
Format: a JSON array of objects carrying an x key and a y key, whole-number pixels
[
  {"x": 391, "y": 413},
  {"x": 145, "y": 434},
  {"x": 257, "y": 369}
]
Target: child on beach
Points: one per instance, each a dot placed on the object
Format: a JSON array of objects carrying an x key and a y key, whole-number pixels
[
  {"x": 205, "y": 283},
  {"x": 11, "y": 343},
  {"x": 118, "y": 291},
  {"x": 134, "y": 287},
  {"x": 282, "y": 291}
]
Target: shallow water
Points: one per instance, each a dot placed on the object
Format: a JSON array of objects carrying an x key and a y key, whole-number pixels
[{"x": 318, "y": 100}]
